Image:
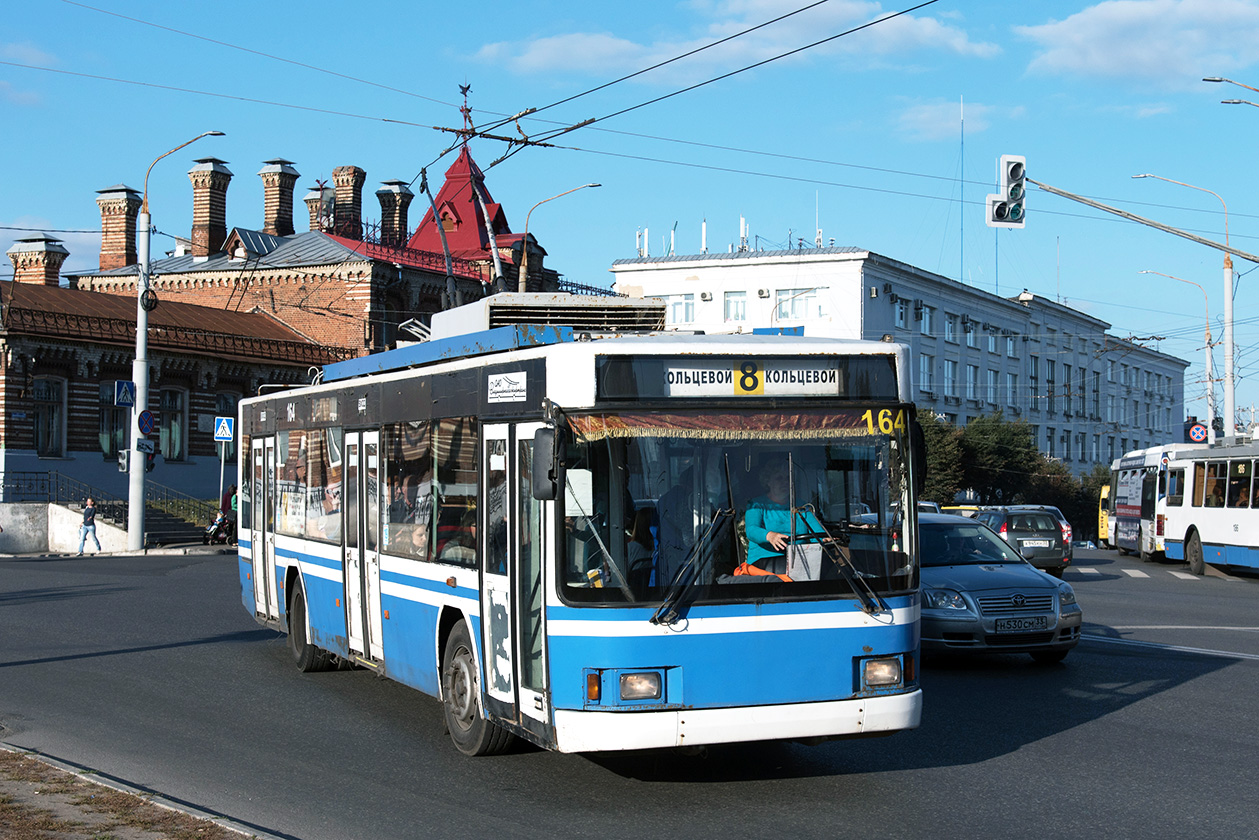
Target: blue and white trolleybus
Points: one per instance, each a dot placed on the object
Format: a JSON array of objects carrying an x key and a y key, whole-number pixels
[{"x": 577, "y": 528}]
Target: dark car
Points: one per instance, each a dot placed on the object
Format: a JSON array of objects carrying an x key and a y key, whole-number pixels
[
  {"x": 1036, "y": 531},
  {"x": 980, "y": 596}
]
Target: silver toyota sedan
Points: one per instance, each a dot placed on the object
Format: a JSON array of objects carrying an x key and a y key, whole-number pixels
[{"x": 980, "y": 596}]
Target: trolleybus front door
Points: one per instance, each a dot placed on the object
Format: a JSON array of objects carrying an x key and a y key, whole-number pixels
[
  {"x": 262, "y": 527},
  {"x": 515, "y": 540},
  {"x": 361, "y": 506}
]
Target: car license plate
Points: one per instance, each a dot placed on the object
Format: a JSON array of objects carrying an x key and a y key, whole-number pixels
[
  {"x": 1035, "y": 543},
  {"x": 1020, "y": 625}
]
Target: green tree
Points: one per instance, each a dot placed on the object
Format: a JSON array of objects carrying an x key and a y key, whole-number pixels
[
  {"x": 999, "y": 458},
  {"x": 944, "y": 458}
]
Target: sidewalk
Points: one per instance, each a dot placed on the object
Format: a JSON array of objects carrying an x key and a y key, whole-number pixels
[
  {"x": 42, "y": 798},
  {"x": 178, "y": 548}
]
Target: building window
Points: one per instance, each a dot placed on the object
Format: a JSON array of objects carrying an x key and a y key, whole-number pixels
[
  {"x": 114, "y": 422},
  {"x": 928, "y": 321},
  {"x": 972, "y": 340},
  {"x": 797, "y": 304},
  {"x": 992, "y": 343},
  {"x": 1066, "y": 446},
  {"x": 1011, "y": 347},
  {"x": 950, "y": 378},
  {"x": 1097, "y": 394},
  {"x": 736, "y": 306},
  {"x": 1011, "y": 389},
  {"x": 972, "y": 382},
  {"x": 225, "y": 406},
  {"x": 1049, "y": 385},
  {"x": 1066, "y": 388},
  {"x": 1033, "y": 381},
  {"x": 49, "y": 397},
  {"x": 173, "y": 425},
  {"x": 1050, "y": 449},
  {"x": 926, "y": 372},
  {"x": 950, "y": 327},
  {"x": 902, "y": 313},
  {"x": 992, "y": 387},
  {"x": 681, "y": 308}
]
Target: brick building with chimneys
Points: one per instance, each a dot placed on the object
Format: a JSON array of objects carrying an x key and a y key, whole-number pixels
[
  {"x": 239, "y": 307},
  {"x": 343, "y": 283}
]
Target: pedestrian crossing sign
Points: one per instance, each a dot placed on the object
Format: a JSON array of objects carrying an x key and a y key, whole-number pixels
[{"x": 223, "y": 428}]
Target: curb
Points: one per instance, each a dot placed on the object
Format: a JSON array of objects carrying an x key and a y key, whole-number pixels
[{"x": 153, "y": 797}]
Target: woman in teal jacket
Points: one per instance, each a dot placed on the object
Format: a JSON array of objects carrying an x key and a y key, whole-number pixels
[{"x": 767, "y": 521}]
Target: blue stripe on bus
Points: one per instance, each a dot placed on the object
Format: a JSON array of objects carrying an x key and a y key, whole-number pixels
[
  {"x": 427, "y": 585},
  {"x": 1174, "y": 549}
]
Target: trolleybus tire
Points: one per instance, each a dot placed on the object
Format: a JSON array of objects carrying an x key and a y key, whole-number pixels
[
  {"x": 306, "y": 656},
  {"x": 461, "y": 699},
  {"x": 1146, "y": 556},
  {"x": 1194, "y": 556}
]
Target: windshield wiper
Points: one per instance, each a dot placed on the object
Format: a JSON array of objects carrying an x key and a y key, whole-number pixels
[
  {"x": 835, "y": 547},
  {"x": 671, "y": 609}
]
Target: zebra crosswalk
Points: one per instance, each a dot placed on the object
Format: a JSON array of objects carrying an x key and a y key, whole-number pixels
[{"x": 1089, "y": 571}]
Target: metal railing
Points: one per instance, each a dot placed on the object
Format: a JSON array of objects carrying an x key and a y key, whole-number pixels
[{"x": 56, "y": 488}]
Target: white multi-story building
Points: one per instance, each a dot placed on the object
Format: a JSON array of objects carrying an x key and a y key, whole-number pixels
[{"x": 1088, "y": 396}]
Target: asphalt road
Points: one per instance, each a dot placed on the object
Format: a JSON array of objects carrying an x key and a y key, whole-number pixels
[{"x": 149, "y": 669}]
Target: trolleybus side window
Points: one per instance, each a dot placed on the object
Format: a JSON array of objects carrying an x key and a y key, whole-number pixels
[
  {"x": 1217, "y": 479},
  {"x": 323, "y": 479},
  {"x": 409, "y": 476},
  {"x": 1239, "y": 476},
  {"x": 1176, "y": 487},
  {"x": 455, "y": 444},
  {"x": 1199, "y": 483},
  {"x": 290, "y": 455}
]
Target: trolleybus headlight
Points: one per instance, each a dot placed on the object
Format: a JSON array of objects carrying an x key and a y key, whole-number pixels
[
  {"x": 640, "y": 686},
  {"x": 880, "y": 672}
]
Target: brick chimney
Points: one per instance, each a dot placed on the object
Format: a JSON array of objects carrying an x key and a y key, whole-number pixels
[
  {"x": 394, "y": 199},
  {"x": 209, "y": 205},
  {"x": 278, "y": 180},
  {"x": 349, "y": 211},
  {"x": 319, "y": 202},
  {"x": 38, "y": 259},
  {"x": 120, "y": 205}
]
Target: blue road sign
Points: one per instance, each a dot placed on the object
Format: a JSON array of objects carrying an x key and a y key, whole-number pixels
[
  {"x": 124, "y": 393},
  {"x": 145, "y": 422},
  {"x": 223, "y": 428}
]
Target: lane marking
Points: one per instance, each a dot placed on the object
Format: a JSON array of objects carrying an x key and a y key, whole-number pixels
[
  {"x": 1086, "y": 570},
  {"x": 1136, "y": 573},
  {"x": 1223, "y": 654},
  {"x": 1183, "y": 627},
  {"x": 1184, "y": 575}
]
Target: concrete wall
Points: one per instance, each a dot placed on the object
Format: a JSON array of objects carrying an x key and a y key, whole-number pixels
[
  {"x": 63, "y": 532},
  {"x": 38, "y": 528}
]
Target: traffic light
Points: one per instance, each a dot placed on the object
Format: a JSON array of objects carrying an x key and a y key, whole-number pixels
[
  {"x": 124, "y": 459},
  {"x": 1008, "y": 208}
]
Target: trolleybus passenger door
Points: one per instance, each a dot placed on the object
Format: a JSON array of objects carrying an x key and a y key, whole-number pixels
[
  {"x": 498, "y": 556},
  {"x": 262, "y": 533},
  {"x": 361, "y": 506},
  {"x": 533, "y": 543}
]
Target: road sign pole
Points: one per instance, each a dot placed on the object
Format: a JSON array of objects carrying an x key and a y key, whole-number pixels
[{"x": 222, "y": 467}]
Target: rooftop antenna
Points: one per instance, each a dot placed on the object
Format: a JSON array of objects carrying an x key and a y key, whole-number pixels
[
  {"x": 817, "y": 217},
  {"x": 961, "y": 198},
  {"x": 703, "y": 237}
]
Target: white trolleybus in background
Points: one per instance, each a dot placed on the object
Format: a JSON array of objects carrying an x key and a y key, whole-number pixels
[
  {"x": 597, "y": 535},
  {"x": 1211, "y": 514},
  {"x": 1138, "y": 500}
]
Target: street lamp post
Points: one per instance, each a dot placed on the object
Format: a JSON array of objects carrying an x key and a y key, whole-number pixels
[
  {"x": 524, "y": 242},
  {"x": 140, "y": 369},
  {"x": 1229, "y": 392},
  {"x": 1209, "y": 373}
]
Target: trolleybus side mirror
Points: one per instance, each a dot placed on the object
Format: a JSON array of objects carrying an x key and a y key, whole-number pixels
[{"x": 547, "y": 473}]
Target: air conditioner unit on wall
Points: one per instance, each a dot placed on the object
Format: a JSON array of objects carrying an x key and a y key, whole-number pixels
[
  {"x": 762, "y": 293},
  {"x": 705, "y": 295}
]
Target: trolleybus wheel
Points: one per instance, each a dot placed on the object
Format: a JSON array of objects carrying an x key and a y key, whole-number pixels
[
  {"x": 1193, "y": 554},
  {"x": 461, "y": 699},
  {"x": 306, "y": 656},
  {"x": 1146, "y": 556}
]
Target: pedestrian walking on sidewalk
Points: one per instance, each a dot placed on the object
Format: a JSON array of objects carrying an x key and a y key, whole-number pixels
[{"x": 88, "y": 528}]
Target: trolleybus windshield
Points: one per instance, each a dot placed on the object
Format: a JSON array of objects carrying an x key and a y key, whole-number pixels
[{"x": 652, "y": 499}]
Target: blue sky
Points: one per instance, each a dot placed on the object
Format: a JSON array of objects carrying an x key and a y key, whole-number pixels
[{"x": 886, "y": 139}]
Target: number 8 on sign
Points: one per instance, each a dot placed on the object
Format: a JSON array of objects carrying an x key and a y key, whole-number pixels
[{"x": 748, "y": 379}]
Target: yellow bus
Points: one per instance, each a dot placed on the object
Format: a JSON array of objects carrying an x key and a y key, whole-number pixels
[{"x": 1103, "y": 518}]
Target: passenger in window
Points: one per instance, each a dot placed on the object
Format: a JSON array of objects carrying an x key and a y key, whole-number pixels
[
  {"x": 1216, "y": 496},
  {"x": 768, "y": 521},
  {"x": 1240, "y": 493}
]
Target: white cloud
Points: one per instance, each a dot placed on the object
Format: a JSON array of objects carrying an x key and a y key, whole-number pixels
[
  {"x": 931, "y": 121},
  {"x": 26, "y": 53},
  {"x": 604, "y": 53},
  {"x": 13, "y": 96},
  {"x": 1170, "y": 43}
]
